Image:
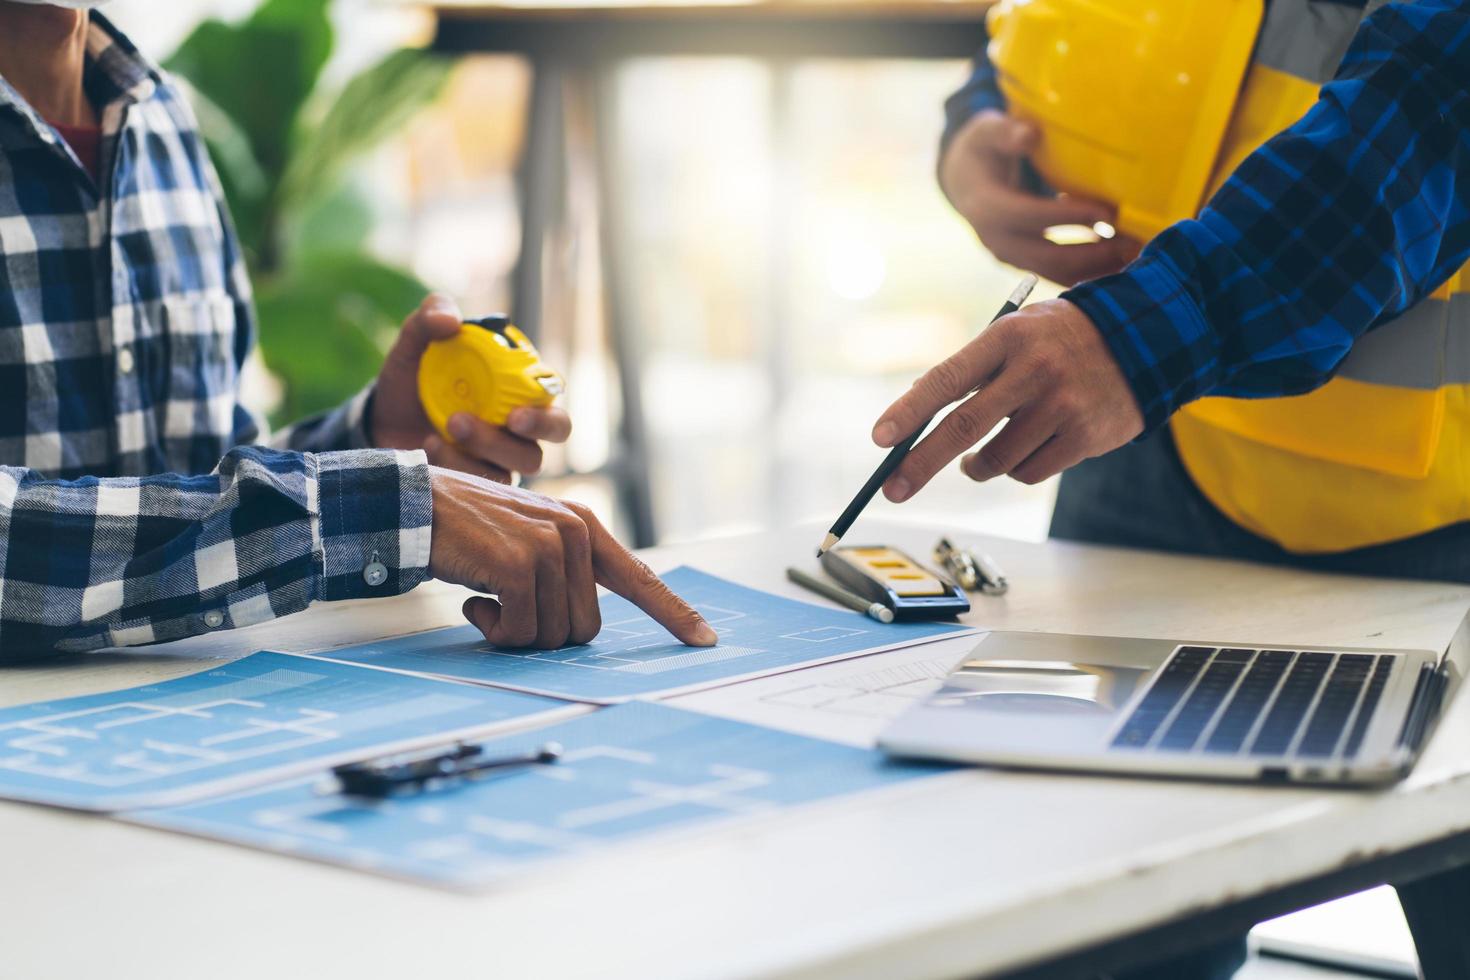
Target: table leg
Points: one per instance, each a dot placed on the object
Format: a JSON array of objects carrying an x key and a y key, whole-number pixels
[
  {"x": 539, "y": 179},
  {"x": 571, "y": 112},
  {"x": 633, "y": 468},
  {"x": 1438, "y": 910}
]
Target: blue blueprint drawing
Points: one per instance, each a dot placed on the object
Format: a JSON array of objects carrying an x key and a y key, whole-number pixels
[
  {"x": 626, "y": 770},
  {"x": 633, "y": 656},
  {"x": 261, "y": 718}
]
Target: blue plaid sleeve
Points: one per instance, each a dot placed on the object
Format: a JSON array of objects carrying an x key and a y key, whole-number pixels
[
  {"x": 1343, "y": 221},
  {"x": 979, "y": 93},
  {"x": 92, "y": 563},
  {"x": 344, "y": 427}
]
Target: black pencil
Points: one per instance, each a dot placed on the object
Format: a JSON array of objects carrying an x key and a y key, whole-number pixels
[{"x": 897, "y": 453}]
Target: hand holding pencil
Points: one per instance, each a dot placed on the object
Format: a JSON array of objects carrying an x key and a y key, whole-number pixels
[
  {"x": 915, "y": 427},
  {"x": 1047, "y": 372}
]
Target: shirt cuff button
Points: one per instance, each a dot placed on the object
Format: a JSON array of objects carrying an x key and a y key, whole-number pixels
[
  {"x": 375, "y": 573},
  {"x": 214, "y": 619}
]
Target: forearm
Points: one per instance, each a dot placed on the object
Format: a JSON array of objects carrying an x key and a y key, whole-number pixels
[
  {"x": 94, "y": 563},
  {"x": 1349, "y": 217}
]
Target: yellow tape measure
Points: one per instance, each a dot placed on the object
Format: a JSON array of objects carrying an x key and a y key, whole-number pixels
[{"x": 488, "y": 370}]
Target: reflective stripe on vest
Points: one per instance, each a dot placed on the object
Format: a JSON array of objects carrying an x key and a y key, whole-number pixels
[{"x": 1375, "y": 455}]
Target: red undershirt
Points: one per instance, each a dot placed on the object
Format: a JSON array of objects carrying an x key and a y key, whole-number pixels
[{"x": 86, "y": 143}]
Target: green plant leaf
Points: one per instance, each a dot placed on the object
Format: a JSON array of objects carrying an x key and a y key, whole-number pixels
[
  {"x": 375, "y": 104},
  {"x": 260, "y": 71},
  {"x": 391, "y": 292},
  {"x": 338, "y": 221},
  {"x": 308, "y": 18},
  {"x": 323, "y": 327}
]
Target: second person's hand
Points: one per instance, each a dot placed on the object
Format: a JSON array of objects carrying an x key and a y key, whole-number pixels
[
  {"x": 980, "y": 173},
  {"x": 1048, "y": 370},
  {"x": 543, "y": 559}
]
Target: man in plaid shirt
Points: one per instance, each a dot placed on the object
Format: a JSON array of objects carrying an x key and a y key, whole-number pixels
[{"x": 136, "y": 504}]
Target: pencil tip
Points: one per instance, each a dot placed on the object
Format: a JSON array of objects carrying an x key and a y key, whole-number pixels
[{"x": 827, "y": 543}]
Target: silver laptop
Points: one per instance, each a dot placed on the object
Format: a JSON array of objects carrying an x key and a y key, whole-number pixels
[{"x": 1196, "y": 709}]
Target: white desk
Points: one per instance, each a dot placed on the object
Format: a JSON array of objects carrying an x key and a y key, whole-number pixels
[{"x": 973, "y": 873}]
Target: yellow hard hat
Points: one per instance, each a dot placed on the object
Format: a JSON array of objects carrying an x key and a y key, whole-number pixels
[{"x": 1132, "y": 97}]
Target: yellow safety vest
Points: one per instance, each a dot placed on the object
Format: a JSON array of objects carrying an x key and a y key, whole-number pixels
[{"x": 1377, "y": 454}]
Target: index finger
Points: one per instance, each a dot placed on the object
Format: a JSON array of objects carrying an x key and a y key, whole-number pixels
[
  {"x": 621, "y": 571},
  {"x": 945, "y": 383},
  {"x": 960, "y": 429}
]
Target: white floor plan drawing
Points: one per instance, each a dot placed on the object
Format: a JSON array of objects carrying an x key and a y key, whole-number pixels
[{"x": 851, "y": 700}]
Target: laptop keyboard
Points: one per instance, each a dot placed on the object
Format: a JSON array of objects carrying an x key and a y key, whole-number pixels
[{"x": 1235, "y": 700}]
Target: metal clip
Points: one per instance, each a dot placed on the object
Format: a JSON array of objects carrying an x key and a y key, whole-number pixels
[{"x": 973, "y": 571}]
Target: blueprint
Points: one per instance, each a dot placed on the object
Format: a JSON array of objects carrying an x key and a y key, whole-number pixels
[
  {"x": 849, "y": 702},
  {"x": 626, "y": 771},
  {"x": 257, "y": 719},
  {"x": 633, "y": 656}
]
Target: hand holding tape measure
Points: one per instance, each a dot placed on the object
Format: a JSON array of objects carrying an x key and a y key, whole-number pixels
[
  {"x": 397, "y": 415},
  {"x": 488, "y": 369}
]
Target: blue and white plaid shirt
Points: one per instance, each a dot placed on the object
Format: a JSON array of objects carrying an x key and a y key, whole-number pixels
[
  {"x": 133, "y": 506},
  {"x": 1341, "y": 222}
]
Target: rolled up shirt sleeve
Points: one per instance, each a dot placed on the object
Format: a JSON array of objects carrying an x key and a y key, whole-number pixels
[
  {"x": 94, "y": 563},
  {"x": 1339, "y": 223},
  {"x": 375, "y": 516}
]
